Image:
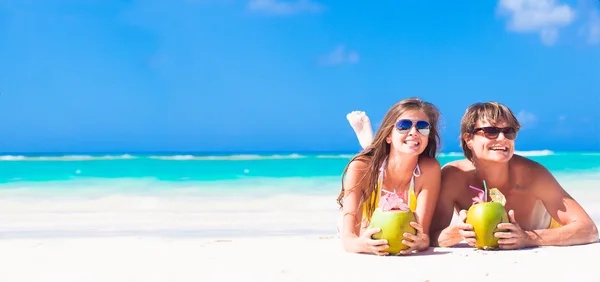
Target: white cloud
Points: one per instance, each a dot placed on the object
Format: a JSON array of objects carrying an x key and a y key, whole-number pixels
[
  {"x": 544, "y": 17},
  {"x": 526, "y": 119},
  {"x": 549, "y": 36},
  {"x": 284, "y": 7},
  {"x": 340, "y": 56},
  {"x": 592, "y": 28}
]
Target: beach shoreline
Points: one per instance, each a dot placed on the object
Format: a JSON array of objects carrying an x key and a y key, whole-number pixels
[{"x": 200, "y": 221}]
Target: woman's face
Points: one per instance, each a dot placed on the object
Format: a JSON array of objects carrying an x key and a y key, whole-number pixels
[{"x": 410, "y": 135}]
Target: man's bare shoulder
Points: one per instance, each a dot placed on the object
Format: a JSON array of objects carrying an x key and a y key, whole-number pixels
[
  {"x": 455, "y": 174},
  {"x": 457, "y": 167},
  {"x": 526, "y": 166},
  {"x": 520, "y": 161},
  {"x": 529, "y": 170}
]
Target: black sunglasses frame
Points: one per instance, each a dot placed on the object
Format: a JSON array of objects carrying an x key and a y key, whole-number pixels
[{"x": 492, "y": 132}]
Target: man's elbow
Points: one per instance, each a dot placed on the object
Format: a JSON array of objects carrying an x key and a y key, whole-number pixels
[
  {"x": 434, "y": 243},
  {"x": 593, "y": 233},
  {"x": 438, "y": 244},
  {"x": 442, "y": 243},
  {"x": 587, "y": 232},
  {"x": 434, "y": 239}
]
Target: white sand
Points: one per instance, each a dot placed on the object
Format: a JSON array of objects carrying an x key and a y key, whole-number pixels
[
  {"x": 148, "y": 259},
  {"x": 114, "y": 239}
]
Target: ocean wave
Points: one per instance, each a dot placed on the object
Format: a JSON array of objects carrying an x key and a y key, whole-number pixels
[
  {"x": 340, "y": 156},
  {"x": 451, "y": 154},
  {"x": 66, "y": 158},
  {"x": 186, "y": 157},
  {"x": 233, "y": 157},
  {"x": 535, "y": 153},
  {"x": 229, "y": 158},
  {"x": 174, "y": 158}
]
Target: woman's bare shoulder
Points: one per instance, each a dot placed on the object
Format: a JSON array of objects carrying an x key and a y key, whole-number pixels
[
  {"x": 429, "y": 165},
  {"x": 359, "y": 163}
]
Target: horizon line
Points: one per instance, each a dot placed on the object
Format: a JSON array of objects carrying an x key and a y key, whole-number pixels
[{"x": 240, "y": 152}]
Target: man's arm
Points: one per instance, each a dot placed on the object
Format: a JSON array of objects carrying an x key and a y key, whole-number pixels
[
  {"x": 577, "y": 226},
  {"x": 442, "y": 233}
]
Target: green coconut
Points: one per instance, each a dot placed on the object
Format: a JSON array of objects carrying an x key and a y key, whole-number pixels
[
  {"x": 393, "y": 225},
  {"x": 485, "y": 217}
]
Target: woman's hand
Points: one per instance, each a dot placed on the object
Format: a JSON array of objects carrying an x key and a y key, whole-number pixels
[
  {"x": 417, "y": 242},
  {"x": 368, "y": 245}
]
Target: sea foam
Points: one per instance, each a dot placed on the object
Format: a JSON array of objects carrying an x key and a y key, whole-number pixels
[{"x": 232, "y": 157}]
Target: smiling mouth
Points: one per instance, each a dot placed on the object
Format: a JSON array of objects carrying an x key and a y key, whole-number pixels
[
  {"x": 498, "y": 149},
  {"x": 412, "y": 143}
]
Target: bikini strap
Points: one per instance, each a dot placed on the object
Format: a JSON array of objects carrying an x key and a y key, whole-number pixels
[
  {"x": 380, "y": 178},
  {"x": 382, "y": 167},
  {"x": 411, "y": 188},
  {"x": 415, "y": 171}
]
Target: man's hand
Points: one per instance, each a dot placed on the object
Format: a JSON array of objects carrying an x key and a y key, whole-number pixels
[{"x": 511, "y": 235}]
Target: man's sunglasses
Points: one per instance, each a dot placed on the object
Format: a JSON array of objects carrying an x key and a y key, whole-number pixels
[
  {"x": 404, "y": 125},
  {"x": 492, "y": 132}
]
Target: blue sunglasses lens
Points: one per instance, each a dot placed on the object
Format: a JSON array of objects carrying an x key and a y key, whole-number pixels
[
  {"x": 422, "y": 125},
  {"x": 405, "y": 125}
]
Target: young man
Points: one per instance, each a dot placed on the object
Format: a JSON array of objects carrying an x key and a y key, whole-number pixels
[{"x": 541, "y": 212}]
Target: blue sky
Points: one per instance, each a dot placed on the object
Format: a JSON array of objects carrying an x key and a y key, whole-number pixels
[{"x": 275, "y": 75}]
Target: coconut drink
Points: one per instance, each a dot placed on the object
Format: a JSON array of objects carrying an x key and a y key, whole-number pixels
[
  {"x": 485, "y": 216},
  {"x": 393, "y": 217}
]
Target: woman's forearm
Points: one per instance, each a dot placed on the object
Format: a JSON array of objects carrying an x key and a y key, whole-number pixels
[{"x": 350, "y": 244}]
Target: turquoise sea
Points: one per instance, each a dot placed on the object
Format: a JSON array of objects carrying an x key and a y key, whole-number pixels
[
  {"x": 185, "y": 169},
  {"x": 204, "y": 194}
]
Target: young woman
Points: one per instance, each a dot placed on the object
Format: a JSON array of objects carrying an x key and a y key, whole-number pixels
[{"x": 400, "y": 159}]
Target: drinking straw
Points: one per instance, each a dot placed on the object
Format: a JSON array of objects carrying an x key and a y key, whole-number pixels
[
  {"x": 478, "y": 189},
  {"x": 485, "y": 192}
]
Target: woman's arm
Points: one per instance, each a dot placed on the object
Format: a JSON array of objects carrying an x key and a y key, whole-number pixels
[
  {"x": 427, "y": 197},
  {"x": 443, "y": 233},
  {"x": 352, "y": 214}
]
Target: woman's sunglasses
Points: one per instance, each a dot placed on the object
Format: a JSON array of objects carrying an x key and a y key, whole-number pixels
[
  {"x": 492, "y": 132},
  {"x": 404, "y": 125}
]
